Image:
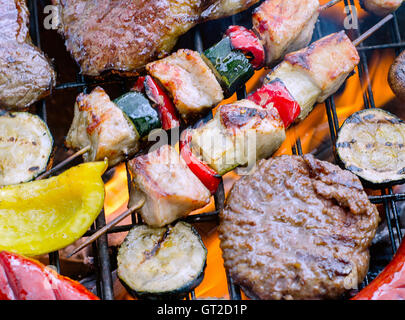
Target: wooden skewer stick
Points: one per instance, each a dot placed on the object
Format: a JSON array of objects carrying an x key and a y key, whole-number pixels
[
  {"x": 63, "y": 163},
  {"x": 373, "y": 29},
  {"x": 107, "y": 227},
  {"x": 329, "y": 4}
]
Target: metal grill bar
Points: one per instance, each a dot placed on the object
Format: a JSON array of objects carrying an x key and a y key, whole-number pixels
[{"x": 387, "y": 199}]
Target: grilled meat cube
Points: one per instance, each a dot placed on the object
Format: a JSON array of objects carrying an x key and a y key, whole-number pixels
[
  {"x": 297, "y": 228},
  {"x": 126, "y": 35},
  {"x": 240, "y": 133},
  {"x": 314, "y": 73},
  {"x": 327, "y": 61},
  {"x": 381, "y": 7},
  {"x": 189, "y": 80},
  {"x": 25, "y": 73},
  {"x": 285, "y": 25},
  {"x": 99, "y": 123},
  {"x": 170, "y": 188}
]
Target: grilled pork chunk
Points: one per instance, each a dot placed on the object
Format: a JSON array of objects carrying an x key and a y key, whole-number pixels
[
  {"x": 125, "y": 35},
  {"x": 189, "y": 80},
  {"x": 25, "y": 73},
  {"x": 381, "y": 7},
  {"x": 99, "y": 123},
  {"x": 170, "y": 188},
  {"x": 314, "y": 73},
  {"x": 285, "y": 25},
  {"x": 240, "y": 133}
]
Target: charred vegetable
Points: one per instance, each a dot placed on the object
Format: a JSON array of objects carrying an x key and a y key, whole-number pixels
[
  {"x": 371, "y": 144},
  {"x": 162, "y": 263},
  {"x": 43, "y": 216},
  {"x": 26, "y": 147}
]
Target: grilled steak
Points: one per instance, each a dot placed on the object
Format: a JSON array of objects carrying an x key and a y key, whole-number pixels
[
  {"x": 297, "y": 228},
  {"x": 25, "y": 73},
  {"x": 125, "y": 35}
]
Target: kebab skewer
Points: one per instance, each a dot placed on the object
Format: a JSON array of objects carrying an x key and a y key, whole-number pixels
[
  {"x": 188, "y": 83},
  {"x": 196, "y": 82},
  {"x": 160, "y": 176}
]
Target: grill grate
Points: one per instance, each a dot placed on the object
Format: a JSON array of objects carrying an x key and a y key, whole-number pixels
[{"x": 387, "y": 198}]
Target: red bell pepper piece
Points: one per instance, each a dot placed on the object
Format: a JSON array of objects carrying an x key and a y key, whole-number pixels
[
  {"x": 277, "y": 94},
  {"x": 165, "y": 106},
  {"x": 246, "y": 41},
  {"x": 390, "y": 283},
  {"x": 139, "y": 85},
  {"x": 26, "y": 279},
  {"x": 209, "y": 177}
]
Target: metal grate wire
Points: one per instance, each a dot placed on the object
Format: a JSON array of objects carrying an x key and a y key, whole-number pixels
[{"x": 387, "y": 198}]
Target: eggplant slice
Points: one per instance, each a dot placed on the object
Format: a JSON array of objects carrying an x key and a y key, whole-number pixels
[
  {"x": 371, "y": 144},
  {"x": 162, "y": 263},
  {"x": 25, "y": 147}
]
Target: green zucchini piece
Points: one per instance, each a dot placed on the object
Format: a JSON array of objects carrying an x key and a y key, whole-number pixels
[
  {"x": 162, "y": 263},
  {"x": 140, "y": 111},
  {"x": 371, "y": 144},
  {"x": 231, "y": 67},
  {"x": 25, "y": 147}
]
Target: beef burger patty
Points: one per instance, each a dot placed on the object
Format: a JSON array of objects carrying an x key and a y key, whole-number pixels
[{"x": 297, "y": 228}]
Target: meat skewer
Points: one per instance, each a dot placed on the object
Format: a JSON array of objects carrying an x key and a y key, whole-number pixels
[{"x": 260, "y": 112}]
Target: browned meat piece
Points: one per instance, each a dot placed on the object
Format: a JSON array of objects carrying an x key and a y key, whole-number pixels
[
  {"x": 100, "y": 124},
  {"x": 297, "y": 228},
  {"x": 381, "y": 7},
  {"x": 285, "y": 25},
  {"x": 25, "y": 73},
  {"x": 328, "y": 62},
  {"x": 189, "y": 80},
  {"x": 170, "y": 189},
  {"x": 125, "y": 35}
]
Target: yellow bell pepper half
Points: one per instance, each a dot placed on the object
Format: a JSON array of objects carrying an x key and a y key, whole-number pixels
[{"x": 43, "y": 216}]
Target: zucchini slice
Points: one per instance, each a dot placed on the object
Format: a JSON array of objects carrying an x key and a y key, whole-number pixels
[
  {"x": 25, "y": 147},
  {"x": 371, "y": 144},
  {"x": 140, "y": 111},
  {"x": 231, "y": 67},
  {"x": 162, "y": 263}
]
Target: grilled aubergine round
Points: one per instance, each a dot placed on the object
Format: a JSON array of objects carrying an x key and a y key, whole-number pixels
[
  {"x": 371, "y": 144},
  {"x": 162, "y": 263},
  {"x": 25, "y": 147},
  {"x": 396, "y": 76}
]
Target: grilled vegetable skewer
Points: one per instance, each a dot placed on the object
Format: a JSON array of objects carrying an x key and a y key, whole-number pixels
[{"x": 223, "y": 142}]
